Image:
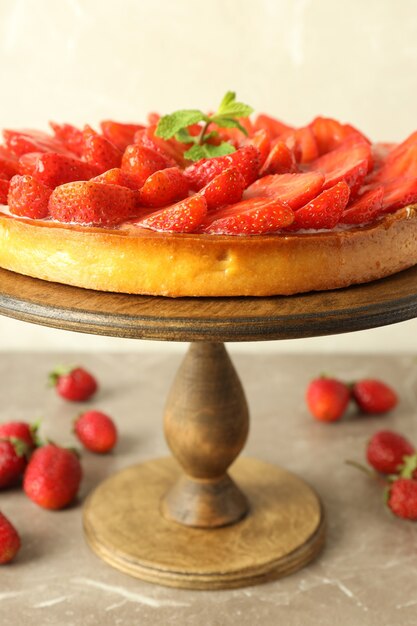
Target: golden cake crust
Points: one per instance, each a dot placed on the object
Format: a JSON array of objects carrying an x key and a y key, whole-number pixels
[{"x": 139, "y": 261}]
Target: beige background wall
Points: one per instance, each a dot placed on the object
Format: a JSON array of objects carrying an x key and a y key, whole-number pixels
[{"x": 84, "y": 60}]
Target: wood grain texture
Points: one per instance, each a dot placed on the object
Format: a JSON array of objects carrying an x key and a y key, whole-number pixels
[
  {"x": 284, "y": 530},
  {"x": 382, "y": 302},
  {"x": 206, "y": 425}
]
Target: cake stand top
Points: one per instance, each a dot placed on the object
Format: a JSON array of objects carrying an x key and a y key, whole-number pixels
[{"x": 379, "y": 303}]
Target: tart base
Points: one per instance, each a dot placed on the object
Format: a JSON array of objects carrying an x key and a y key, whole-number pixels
[{"x": 138, "y": 261}]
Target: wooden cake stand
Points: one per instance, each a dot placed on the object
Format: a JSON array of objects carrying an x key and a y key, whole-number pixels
[{"x": 187, "y": 521}]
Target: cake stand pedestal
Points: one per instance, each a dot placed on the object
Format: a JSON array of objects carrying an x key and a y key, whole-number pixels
[{"x": 189, "y": 521}]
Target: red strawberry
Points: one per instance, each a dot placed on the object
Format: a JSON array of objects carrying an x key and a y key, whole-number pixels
[
  {"x": 54, "y": 169},
  {"x": 386, "y": 451},
  {"x": 293, "y": 189},
  {"x": 327, "y": 399},
  {"x": 120, "y": 134},
  {"x": 365, "y": 208},
  {"x": 257, "y": 216},
  {"x": 163, "y": 187},
  {"x": 9, "y": 163},
  {"x": 170, "y": 150},
  {"x": 28, "y": 197},
  {"x": 4, "y": 190},
  {"x": 262, "y": 141},
  {"x": 140, "y": 162},
  {"x": 94, "y": 203},
  {"x": 70, "y": 136},
  {"x": 280, "y": 160},
  {"x": 374, "y": 396},
  {"x": 21, "y": 142},
  {"x": 303, "y": 144},
  {"x": 99, "y": 152},
  {"x": 96, "y": 431},
  {"x": 246, "y": 160},
  {"x": 19, "y": 430},
  {"x": 116, "y": 176},
  {"x": 274, "y": 127},
  {"x": 325, "y": 210},
  {"x": 400, "y": 162},
  {"x": 52, "y": 477},
  {"x": 75, "y": 384},
  {"x": 398, "y": 193},
  {"x": 330, "y": 133},
  {"x": 183, "y": 217},
  {"x": 9, "y": 540},
  {"x": 225, "y": 188},
  {"x": 402, "y": 498},
  {"x": 12, "y": 461},
  {"x": 350, "y": 162}
]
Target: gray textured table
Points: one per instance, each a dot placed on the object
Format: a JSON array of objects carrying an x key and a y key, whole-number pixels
[{"x": 366, "y": 575}]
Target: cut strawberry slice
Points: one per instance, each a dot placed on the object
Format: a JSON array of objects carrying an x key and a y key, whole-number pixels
[
  {"x": 21, "y": 142},
  {"x": 119, "y": 134},
  {"x": 274, "y": 127},
  {"x": 350, "y": 162},
  {"x": 140, "y": 162},
  {"x": 225, "y": 188},
  {"x": 28, "y": 197},
  {"x": 170, "y": 149},
  {"x": 257, "y": 216},
  {"x": 164, "y": 187},
  {"x": 303, "y": 144},
  {"x": 399, "y": 164},
  {"x": 4, "y": 189},
  {"x": 330, "y": 133},
  {"x": 280, "y": 160},
  {"x": 116, "y": 176},
  {"x": 9, "y": 164},
  {"x": 183, "y": 217},
  {"x": 99, "y": 151},
  {"x": 70, "y": 136},
  {"x": 262, "y": 141},
  {"x": 246, "y": 160},
  {"x": 53, "y": 169},
  {"x": 293, "y": 189},
  {"x": 399, "y": 193},
  {"x": 366, "y": 208},
  {"x": 324, "y": 211}
]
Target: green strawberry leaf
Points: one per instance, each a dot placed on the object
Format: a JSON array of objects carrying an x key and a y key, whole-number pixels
[
  {"x": 409, "y": 466},
  {"x": 170, "y": 124},
  {"x": 207, "y": 151}
]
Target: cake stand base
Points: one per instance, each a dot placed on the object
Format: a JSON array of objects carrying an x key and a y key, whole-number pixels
[{"x": 282, "y": 532}]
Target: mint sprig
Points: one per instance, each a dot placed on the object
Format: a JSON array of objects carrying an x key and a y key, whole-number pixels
[{"x": 176, "y": 125}]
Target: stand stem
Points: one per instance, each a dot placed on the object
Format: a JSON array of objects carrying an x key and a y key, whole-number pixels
[{"x": 206, "y": 426}]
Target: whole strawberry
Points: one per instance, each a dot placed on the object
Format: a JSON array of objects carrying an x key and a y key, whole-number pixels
[
  {"x": 74, "y": 384},
  {"x": 327, "y": 399},
  {"x": 402, "y": 498},
  {"x": 96, "y": 431},
  {"x": 374, "y": 396},
  {"x": 9, "y": 540},
  {"x": 20, "y": 430},
  {"x": 386, "y": 451},
  {"x": 52, "y": 477},
  {"x": 12, "y": 461}
]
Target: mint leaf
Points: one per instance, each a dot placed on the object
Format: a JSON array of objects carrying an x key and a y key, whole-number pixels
[
  {"x": 184, "y": 136},
  {"x": 230, "y": 108},
  {"x": 228, "y": 99},
  {"x": 229, "y": 122},
  {"x": 207, "y": 151},
  {"x": 169, "y": 125}
]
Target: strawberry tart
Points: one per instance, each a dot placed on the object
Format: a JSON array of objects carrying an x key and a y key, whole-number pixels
[{"x": 192, "y": 204}]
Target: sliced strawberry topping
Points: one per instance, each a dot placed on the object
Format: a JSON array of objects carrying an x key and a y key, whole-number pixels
[
  {"x": 257, "y": 216},
  {"x": 274, "y": 127},
  {"x": 21, "y": 142},
  {"x": 119, "y": 134},
  {"x": 293, "y": 189},
  {"x": 246, "y": 160},
  {"x": 183, "y": 217},
  {"x": 399, "y": 163},
  {"x": 325, "y": 210},
  {"x": 54, "y": 169},
  {"x": 262, "y": 141},
  {"x": 399, "y": 193},
  {"x": 225, "y": 188},
  {"x": 9, "y": 164},
  {"x": 170, "y": 149},
  {"x": 330, "y": 133},
  {"x": 93, "y": 203},
  {"x": 4, "y": 190},
  {"x": 302, "y": 143},
  {"x": 164, "y": 187},
  {"x": 350, "y": 162},
  {"x": 116, "y": 176},
  {"x": 140, "y": 162},
  {"x": 99, "y": 151},
  {"x": 280, "y": 160},
  {"x": 365, "y": 208},
  {"x": 70, "y": 136},
  {"x": 28, "y": 197}
]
